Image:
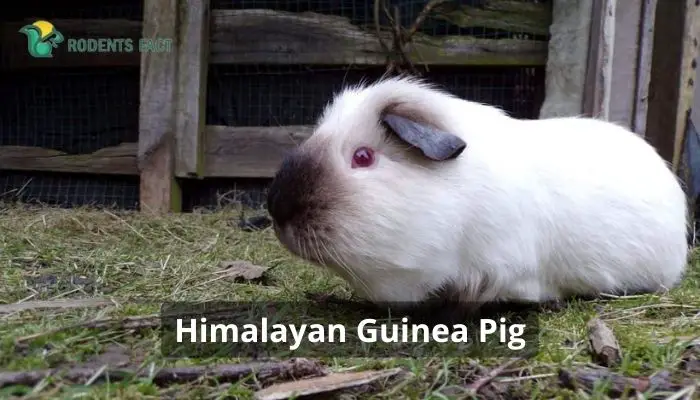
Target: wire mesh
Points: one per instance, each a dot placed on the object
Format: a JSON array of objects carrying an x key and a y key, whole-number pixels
[
  {"x": 260, "y": 95},
  {"x": 70, "y": 190},
  {"x": 75, "y": 111}
]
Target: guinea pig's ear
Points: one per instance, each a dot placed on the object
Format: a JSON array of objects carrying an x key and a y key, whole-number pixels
[{"x": 435, "y": 144}]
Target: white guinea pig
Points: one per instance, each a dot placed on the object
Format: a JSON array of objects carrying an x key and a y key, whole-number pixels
[{"x": 405, "y": 191}]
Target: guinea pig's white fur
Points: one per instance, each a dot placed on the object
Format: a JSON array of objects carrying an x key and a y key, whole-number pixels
[{"x": 532, "y": 210}]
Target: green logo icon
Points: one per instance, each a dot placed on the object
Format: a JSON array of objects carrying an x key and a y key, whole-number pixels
[{"x": 42, "y": 38}]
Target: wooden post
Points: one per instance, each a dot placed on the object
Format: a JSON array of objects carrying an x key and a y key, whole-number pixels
[
  {"x": 623, "y": 83},
  {"x": 599, "y": 75},
  {"x": 159, "y": 191},
  {"x": 686, "y": 84},
  {"x": 193, "y": 63},
  {"x": 672, "y": 76},
  {"x": 566, "y": 59},
  {"x": 646, "y": 46}
]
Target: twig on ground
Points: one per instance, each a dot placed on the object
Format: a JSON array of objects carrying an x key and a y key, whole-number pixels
[
  {"x": 690, "y": 359},
  {"x": 291, "y": 369},
  {"x": 142, "y": 322},
  {"x": 325, "y": 384},
  {"x": 579, "y": 348},
  {"x": 649, "y": 307},
  {"x": 585, "y": 379},
  {"x": 626, "y": 297},
  {"x": 128, "y": 225},
  {"x": 689, "y": 341},
  {"x": 524, "y": 378},
  {"x": 475, "y": 386},
  {"x": 627, "y": 316},
  {"x": 604, "y": 347},
  {"x": 54, "y": 304},
  {"x": 685, "y": 393}
]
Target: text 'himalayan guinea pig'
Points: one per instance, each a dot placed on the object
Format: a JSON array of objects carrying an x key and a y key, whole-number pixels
[{"x": 405, "y": 190}]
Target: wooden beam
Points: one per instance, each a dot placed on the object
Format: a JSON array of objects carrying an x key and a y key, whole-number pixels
[
  {"x": 117, "y": 160},
  {"x": 159, "y": 191},
  {"x": 508, "y": 15},
  {"x": 253, "y": 152},
  {"x": 193, "y": 64},
  {"x": 672, "y": 76},
  {"x": 232, "y": 152},
  {"x": 277, "y": 37},
  {"x": 567, "y": 58},
  {"x": 646, "y": 46}
]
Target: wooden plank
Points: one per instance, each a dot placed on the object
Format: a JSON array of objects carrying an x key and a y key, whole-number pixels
[
  {"x": 193, "y": 64},
  {"x": 117, "y": 160},
  {"x": 592, "y": 60},
  {"x": 603, "y": 78},
  {"x": 646, "y": 45},
  {"x": 252, "y": 152},
  {"x": 671, "y": 85},
  {"x": 276, "y": 37},
  {"x": 159, "y": 191},
  {"x": 240, "y": 151},
  {"x": 600, "y": 67},
  {"x": 565, "y": 86},
  {"x": 623, "y": 83},
  {"x": 507, "y": 15}
]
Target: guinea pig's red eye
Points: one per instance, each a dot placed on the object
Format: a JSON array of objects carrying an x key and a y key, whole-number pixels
[{"x": 363, "y": 157}]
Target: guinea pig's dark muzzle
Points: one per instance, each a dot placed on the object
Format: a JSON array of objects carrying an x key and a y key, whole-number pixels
[{"x": 291, "y": 190}]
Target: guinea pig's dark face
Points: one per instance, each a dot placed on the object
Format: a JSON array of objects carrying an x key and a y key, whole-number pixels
[{"x": 301, "y": 201}]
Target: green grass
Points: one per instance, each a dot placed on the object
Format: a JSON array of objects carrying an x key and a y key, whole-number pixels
[{"x": 140, "y": 261}]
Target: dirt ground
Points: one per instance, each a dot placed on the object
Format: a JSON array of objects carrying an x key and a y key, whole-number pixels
[{"x": 80, "y": 294}]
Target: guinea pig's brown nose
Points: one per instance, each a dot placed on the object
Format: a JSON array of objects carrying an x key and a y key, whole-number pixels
[
  {"x": 280, "y": 205},
  {"x": 291, "y": 188}
]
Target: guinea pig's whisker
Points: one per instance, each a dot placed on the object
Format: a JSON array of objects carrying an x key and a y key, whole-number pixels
[
  {"x": 315, "y": 247},
  {"x": 343, "y": 265},
  {"x": 329, "y": 254},
  {"x": 310, "y": 244},
  {"x": 314, "y": 250}
]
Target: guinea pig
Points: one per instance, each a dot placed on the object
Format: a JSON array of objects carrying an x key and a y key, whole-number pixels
[{"x": 405, "y": 190}]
